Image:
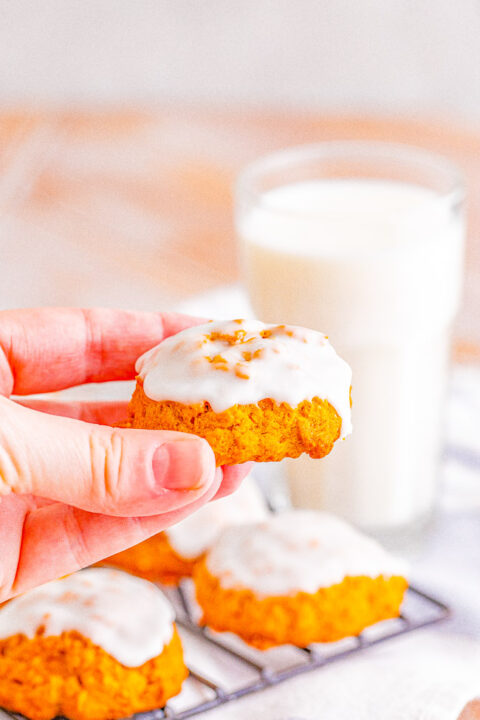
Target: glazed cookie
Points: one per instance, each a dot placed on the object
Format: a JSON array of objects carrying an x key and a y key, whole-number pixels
[
  {"x": 96, "y": 645},
  {"x": 299, "y": 577},
  {"x": 172, "y": 554},
  {"x": 253, "y": 391}
]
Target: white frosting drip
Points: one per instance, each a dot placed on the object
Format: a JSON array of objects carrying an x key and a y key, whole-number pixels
[
  {"x": 191, "y": 537},
  {"x": 129, "y": 618},
  {"x": 299, "y": 550},
  {"x": 291, "y": 365}
]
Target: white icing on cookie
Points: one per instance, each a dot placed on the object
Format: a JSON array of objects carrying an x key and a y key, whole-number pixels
[
  {"x": 243, "y": 361},
  {"x": 299, "y": 550},
  {"x": 129, "y": 618},
  {"x": 191, "y": 537}
]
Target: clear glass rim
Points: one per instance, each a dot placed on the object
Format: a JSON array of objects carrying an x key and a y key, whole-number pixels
[{"x": 345, "y": 149}]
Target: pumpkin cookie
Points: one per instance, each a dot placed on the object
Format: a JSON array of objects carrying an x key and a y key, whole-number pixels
[
  {"x": 96, "y": 645},
  {"x": 253, "y": 391},
  {"x": 299, "y": 577}
]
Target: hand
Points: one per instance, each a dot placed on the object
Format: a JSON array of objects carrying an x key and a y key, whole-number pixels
[{"x": 74, "y": 491}]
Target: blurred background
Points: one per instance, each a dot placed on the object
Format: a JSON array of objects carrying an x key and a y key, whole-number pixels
[
  {"x": 383, "y": 56},
  {"x": 123, "y": 125}
]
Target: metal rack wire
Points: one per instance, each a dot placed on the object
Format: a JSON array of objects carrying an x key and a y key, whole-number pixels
[{"x": 420, "y": 610}]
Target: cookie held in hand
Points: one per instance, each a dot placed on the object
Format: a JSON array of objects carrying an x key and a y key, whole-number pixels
[{"x": 253, "y": 391}]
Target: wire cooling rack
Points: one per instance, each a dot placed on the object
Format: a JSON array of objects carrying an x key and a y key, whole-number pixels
[
  {"x": 277, "y": 665},
  {"x": 231, "y": 669}
]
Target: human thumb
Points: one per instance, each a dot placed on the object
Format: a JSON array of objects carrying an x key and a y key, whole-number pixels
[{"x": 101, "y": 469}]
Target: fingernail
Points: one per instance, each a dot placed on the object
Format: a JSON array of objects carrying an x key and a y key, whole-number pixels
[{"x": 183, "y": 464}]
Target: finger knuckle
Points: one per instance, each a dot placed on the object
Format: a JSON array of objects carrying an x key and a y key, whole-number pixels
[
  {"x": 107, "y": 453},
  {"x": 76, "y": 539}
]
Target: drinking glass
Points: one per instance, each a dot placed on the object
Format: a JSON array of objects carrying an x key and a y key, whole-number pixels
[{"x": 364, "y": 242}]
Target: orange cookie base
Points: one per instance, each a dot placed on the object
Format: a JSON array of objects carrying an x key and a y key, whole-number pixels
[
  {"x": 262, "y": 432},
  {"x": 153, "y": 559},
  {"x": 68, "y": 675},
  {"x": 325, "y": 616}
]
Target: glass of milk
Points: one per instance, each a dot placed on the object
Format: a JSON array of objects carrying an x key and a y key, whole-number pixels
[{"x": 364, "y": 242}]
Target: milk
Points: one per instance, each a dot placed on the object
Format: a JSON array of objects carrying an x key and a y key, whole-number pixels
[{"x": 376, "y": 265}]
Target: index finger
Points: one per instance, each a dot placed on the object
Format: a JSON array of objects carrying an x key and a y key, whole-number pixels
[{"x": 48, "y": 349}]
